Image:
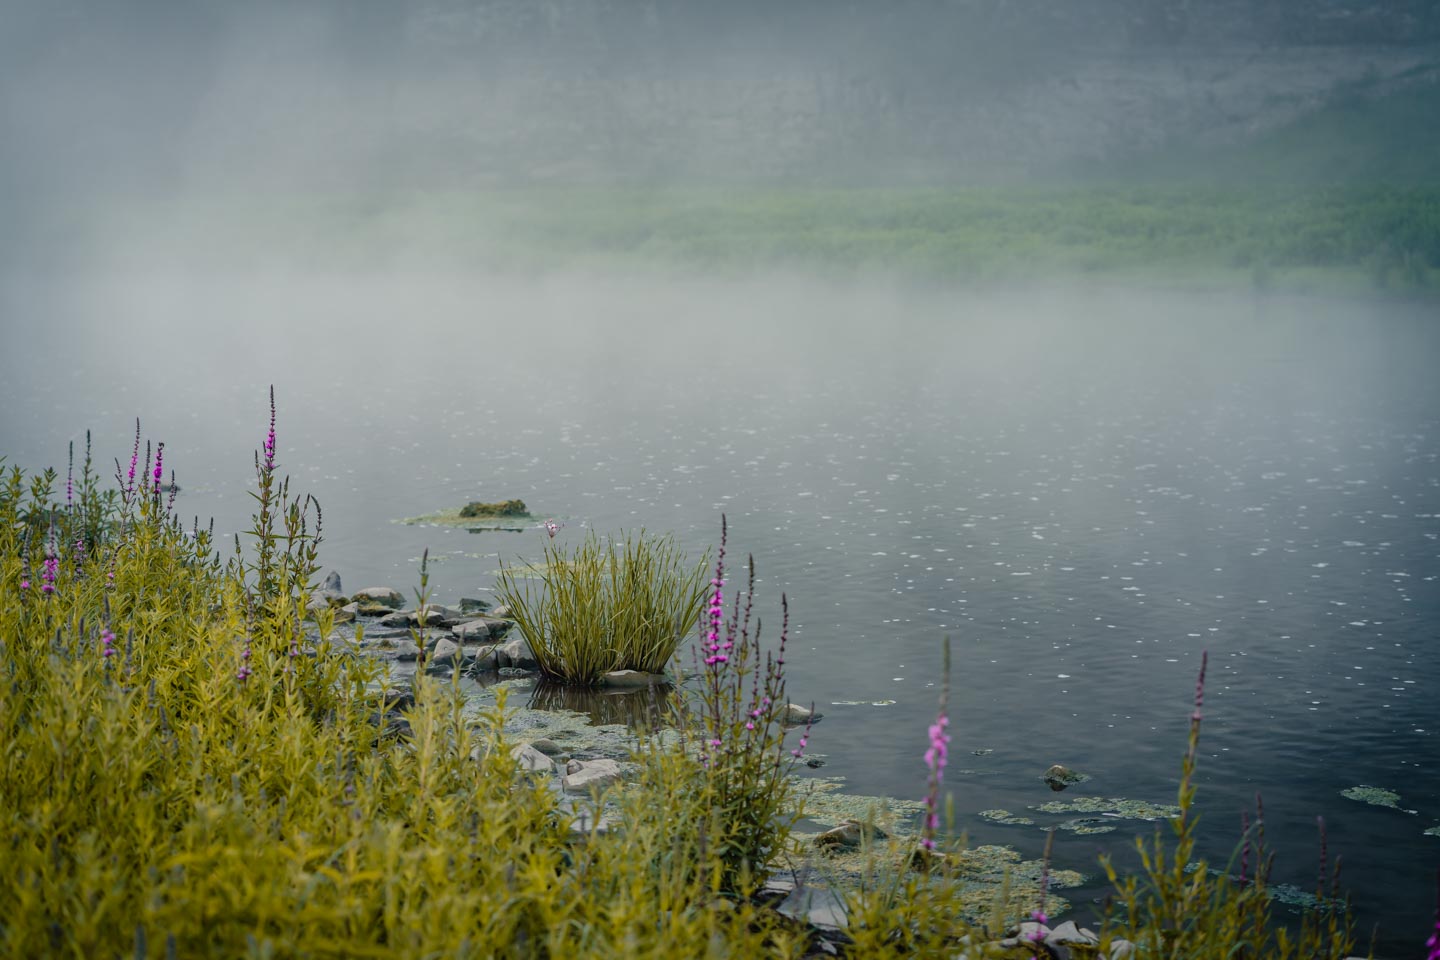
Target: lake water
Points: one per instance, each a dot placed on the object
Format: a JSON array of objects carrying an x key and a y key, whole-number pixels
[{"x": 1084, "y": 490}]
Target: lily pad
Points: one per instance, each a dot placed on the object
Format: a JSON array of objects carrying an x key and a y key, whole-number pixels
[{"x": 1375, "y": 796}]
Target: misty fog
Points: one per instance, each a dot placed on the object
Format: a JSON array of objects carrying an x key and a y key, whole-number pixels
[{"x": 584, "y": 252}]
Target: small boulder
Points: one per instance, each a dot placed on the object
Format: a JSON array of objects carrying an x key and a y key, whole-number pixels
[
  {"x": 502, "y": 611},
  {"x": 532, "y": 760},
  {"x": 381, "y": 596},
  {"x": 479, "y": 630},
  {"x": 796, "y": 715},
  {"x": 1057, "y": 777},
  {"x": 332, "y": 582},
  {"x": 849, "y": 835},
  {"x": 582, "y": 776},
  {"x": 516, "y": 653},
  {"x": 473, "y": 605},
  {"x": 445, "y": 653},
  {"x": 1067, "y": 934},
  {"x": 548, "y": 747},
  {"x": 486, "y": 661}
]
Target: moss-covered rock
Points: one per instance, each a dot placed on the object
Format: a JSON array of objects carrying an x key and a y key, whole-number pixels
[{"x": 503, "y": 508}]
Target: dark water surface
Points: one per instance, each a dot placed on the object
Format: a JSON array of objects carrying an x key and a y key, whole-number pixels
[{"x": 1083, "y": 489}]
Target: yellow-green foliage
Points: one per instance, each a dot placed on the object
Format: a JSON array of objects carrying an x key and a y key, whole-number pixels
[
  {"x": 614, "y": 606},
  {"x": 166, "y": 794}
]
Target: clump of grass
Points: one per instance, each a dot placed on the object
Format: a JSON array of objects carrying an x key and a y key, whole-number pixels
[{"x": 605, "y": 606}]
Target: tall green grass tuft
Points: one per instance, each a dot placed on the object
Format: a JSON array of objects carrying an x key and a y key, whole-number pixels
[{"x": 605, "y": 606}]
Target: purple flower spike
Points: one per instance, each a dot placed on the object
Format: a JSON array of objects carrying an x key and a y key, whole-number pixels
[
  {"x": 270, "y": 437},
  {"x": 107, "y": 643},
  {"x": 551, "y": 527},
  {"x": 159, "y": 463}
]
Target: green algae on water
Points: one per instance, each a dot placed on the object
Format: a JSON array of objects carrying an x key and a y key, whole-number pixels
[
  {"x": 1005, "y": 817},
  {"x": 1375, "y": 796},
  {"x": 1084, "y": 826},
  {"x": 1117, "y": 807},
  {"x": 1433, "y": 831}
]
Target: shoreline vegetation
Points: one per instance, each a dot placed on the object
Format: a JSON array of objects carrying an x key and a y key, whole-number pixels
[{"x": 191, "y": 770}]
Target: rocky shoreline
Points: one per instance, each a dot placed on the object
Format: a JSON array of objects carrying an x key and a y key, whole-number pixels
[{"x": 580, "y": 752}]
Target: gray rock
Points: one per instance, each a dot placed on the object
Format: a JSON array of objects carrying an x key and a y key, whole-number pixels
[
  {"x": 548, "y": 747},
  {"x": 1068, "y": 934},
  {"x": 1121, "y": 949},
  {"x": 502, "y": 611},
  {"x": 532, "y": 760},
  {"x": 814, "y": 904},
  {"x": 332, "y": 582},
  {"x": 849, "y": 835},
  {"x": 516, "y": 653},
  {"x": 480, "y": 630},
  {"x": 351, "y": 608},
  {"x": 796, "y": 715},
  {"x": 383, "y": 596},
  {"x": 406, "y": 652},
  {"x": 582, "y": 776},
  {"x": 445, "y": 654},
  {"x": 473, "y": 605},
  {"x": 486, "y": 661},
  {"x": 630, "y": 679},
  {"x": 435, "y": 616}
]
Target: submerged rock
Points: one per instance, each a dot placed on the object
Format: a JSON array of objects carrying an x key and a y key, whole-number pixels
[
  {"x": 1058, "y": 777},
  {"x": 473, "y": 605}
]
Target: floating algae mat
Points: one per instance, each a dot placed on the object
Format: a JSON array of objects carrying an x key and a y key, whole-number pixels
[
  {"x": 1375, "y": 796},
  {"x": 1116, "y": 807},
  {"x": 1005, "y": 817},
  {"x": 1433, "y": 831}
]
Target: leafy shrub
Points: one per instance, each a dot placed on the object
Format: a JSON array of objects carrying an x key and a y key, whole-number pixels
[{"x": 606, "y": 606}]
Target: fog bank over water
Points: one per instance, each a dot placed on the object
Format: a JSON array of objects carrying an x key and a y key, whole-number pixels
[{"x": 125, "y": 117}]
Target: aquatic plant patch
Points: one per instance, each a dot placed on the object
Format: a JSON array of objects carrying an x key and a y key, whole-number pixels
[{"x": 1375, "y": 796}]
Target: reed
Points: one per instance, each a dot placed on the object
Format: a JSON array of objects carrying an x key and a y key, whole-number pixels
[{"x": 606, "y": 605}]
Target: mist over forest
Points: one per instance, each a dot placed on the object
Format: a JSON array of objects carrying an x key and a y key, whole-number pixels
[{"x": 370, "y": 95}]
